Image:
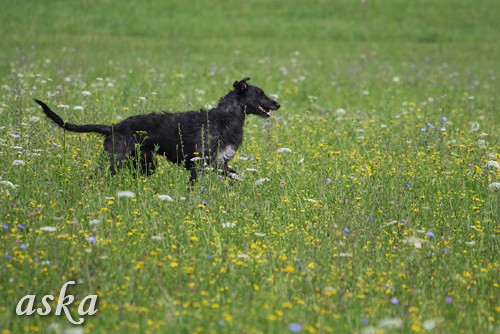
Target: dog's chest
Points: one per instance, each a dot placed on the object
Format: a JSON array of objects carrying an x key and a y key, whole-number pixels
[{"x": 226, "y": 153}]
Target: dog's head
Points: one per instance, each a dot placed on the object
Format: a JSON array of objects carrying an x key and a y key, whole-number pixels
[{"x": 255, "y": 100}]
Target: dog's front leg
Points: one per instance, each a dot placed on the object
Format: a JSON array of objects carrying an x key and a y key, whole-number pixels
[
  {"x": 193, "y": 176},
  {"x": 229, "y": 172}
]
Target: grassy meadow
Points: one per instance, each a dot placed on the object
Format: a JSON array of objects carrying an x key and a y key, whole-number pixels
[{"x": 369, "y": 201}]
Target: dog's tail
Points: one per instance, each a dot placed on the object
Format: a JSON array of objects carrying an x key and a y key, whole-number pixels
[{"x": 99, "y": 128}]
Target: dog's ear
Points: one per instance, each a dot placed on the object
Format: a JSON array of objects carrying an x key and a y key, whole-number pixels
[{"x": 242, "y": 84}]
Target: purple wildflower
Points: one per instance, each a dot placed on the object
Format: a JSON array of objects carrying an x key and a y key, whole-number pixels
[
  {"x": 23, "y": 246},
  {"x": 328, "y": 181},
  {"x": 20, "y": 226},
  {"x": 448, "y": 300},
  {"x": 5, "y": 227},
  {"x": 345, "y": 230},
  {"x": 295, "y": 327},
  {"x": 394, "y": 300},
  {"x": 92, "y": 240},
  {"x": 430, "y": 234}
]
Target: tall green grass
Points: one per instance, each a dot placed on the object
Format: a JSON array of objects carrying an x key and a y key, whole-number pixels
[{"x": 369, "y": 201}]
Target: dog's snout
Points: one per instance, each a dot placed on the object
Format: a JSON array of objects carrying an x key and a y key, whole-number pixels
[{"x": 277, "y": 105}]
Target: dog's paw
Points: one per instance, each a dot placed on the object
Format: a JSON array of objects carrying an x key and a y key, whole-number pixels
[{"x": 235, "y": 176}]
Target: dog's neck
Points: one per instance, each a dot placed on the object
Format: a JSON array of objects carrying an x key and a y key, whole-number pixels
[{"x": 230, "y": 103}]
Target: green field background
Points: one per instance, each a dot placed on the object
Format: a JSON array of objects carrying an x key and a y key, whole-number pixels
[{"x": 369, "y": 201}]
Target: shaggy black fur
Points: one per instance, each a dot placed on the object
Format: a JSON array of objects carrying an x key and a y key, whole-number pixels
[{"x": 212, "y": 136}]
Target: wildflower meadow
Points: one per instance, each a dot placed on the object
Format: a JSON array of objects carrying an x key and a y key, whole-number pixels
[{"x": 368, "y": 203}]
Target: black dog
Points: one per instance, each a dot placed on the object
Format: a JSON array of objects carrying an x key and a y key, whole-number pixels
[{"x": 212, "y": 136}]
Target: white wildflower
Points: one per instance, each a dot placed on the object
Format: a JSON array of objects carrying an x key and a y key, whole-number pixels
[
  {"x": 415, "y": 241},
  {"x": 432, "y": 323},
  {"x": 369, "y": 329},
  {"x": 390, "y": 323},
  {"x": 94, "y": 222},
  {"x": 341, "y": 111},
  {"x": 48, "y": 228},
  {"x": 86, "y": 93},
  {"x": 259, "y": 234},
  {"x": 328, "y": 288},
  {"x": 242, "y": 256},
  {"x": 158, "y": 237},
  {"x": 8, "y": 184},
  {"x": 284, "y": 150},
  {"x": 228, "y": 225},
  {"x": 126, "y": 193},
  {"x": 63, "y": 106},
  {"x": 494, "y": 186},
  {"x": 482, "y": 144},
  {"x": 261, "y": 181},
  {"x": 72, "y": 330},
  {"x": 165, "y": 198},
  {"x": 78, "y": 108},
  {"x": 345, "y": 254},
  {"x": 18, "y": 163},
  {"x": 396, "y": 79},
  {"x": 492, "y": 164},
  {"x": 474, "y": 126}
]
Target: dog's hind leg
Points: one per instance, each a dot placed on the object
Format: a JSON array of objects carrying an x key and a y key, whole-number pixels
[{"x": 118, "y": 150}]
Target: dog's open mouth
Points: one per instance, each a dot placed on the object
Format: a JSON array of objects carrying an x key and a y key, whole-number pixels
[{"x": 264, "y": 112}]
